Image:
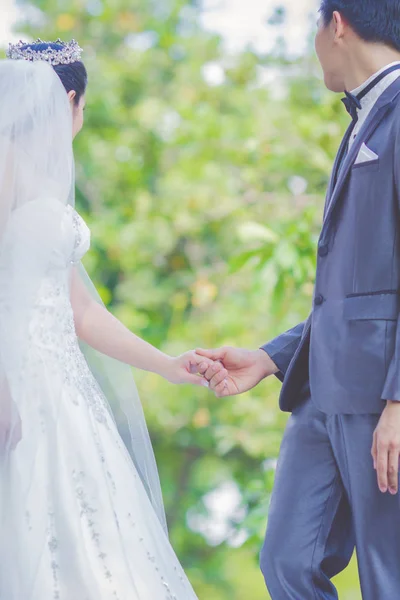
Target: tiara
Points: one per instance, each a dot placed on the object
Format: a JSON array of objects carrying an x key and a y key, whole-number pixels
[{"x": 69, "y": 53}]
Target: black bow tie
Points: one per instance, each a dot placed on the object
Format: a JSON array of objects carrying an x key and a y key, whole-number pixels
[{"x": 352, "y": 103}]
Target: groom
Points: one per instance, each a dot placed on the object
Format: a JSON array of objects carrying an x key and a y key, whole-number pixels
[{"x": 341, "y": 368}]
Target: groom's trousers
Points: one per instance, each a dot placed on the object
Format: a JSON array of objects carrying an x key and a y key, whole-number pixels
[{"x": 325, "y": 503}]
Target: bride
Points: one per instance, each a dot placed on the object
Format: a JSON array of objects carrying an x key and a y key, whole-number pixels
[{"x": 81, "y": 518}]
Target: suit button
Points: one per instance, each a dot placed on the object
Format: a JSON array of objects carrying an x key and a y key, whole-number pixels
[
  {"x": 323, "y": 250},
  {"x": 319, "y": 299}
]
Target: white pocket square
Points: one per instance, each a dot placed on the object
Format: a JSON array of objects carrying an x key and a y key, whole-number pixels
[{"x": 365, "y": 155}]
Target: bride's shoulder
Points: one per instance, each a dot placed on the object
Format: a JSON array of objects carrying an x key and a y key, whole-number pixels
[
  {"x": 47, "y": 218},
  {"x": 36, "y": 215}
]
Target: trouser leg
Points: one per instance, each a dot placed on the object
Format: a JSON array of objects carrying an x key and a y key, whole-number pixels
[
  {"x": 376, "y": 516},
  {"x": 309, "y": 535}
]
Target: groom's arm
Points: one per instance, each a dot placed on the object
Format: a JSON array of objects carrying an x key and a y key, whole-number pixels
[
  {"x": 281, "y": 349},
  {"x": 391, "y": 390},
  {"x": 386, "y": 437}
]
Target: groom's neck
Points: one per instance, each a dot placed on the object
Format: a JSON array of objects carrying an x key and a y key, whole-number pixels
[{"x": 365, "y": 60}]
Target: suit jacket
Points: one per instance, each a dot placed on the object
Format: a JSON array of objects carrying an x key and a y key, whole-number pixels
[{"x": 348, "y": 350}]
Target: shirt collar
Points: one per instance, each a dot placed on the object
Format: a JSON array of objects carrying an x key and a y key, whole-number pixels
[{"x": 361, "y": 87}]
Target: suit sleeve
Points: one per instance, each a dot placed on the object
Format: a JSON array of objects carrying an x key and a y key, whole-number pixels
[{"x": 282, "y": 349}]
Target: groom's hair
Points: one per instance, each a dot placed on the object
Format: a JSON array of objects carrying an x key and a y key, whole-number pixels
[{"x": 373, "y": 20}]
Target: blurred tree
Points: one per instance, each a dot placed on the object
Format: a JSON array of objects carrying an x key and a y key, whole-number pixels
[{"x": 204, "y": 189}]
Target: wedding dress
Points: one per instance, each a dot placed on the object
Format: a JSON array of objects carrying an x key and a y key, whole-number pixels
[
  {"x": 103, "y": 537},
  {"x": 76, "y": 517}
]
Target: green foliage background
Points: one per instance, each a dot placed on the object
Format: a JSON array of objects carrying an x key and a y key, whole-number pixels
[{"x": 205, "y": 204}]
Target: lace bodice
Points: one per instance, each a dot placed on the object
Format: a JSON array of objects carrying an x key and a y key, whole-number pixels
[
  {"x": 52, "y": 334},
  {"x": 73, "y": 245}
]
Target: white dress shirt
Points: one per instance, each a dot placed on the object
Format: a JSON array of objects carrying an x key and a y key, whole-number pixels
[{"x": 368, "y": 102}]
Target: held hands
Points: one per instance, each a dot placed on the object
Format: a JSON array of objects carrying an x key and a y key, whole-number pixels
[
  {"x": 184, "y": 369},
  {"x": 227, "y": 371},
  {"x": 386, "y": 448},
  {"x": 234, "y": 370}
]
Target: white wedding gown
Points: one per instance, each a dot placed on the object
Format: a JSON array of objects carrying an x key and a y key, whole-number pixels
[{"x": 71, "y": 481}]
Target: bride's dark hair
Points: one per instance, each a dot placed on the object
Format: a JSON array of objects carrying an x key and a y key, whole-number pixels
[{"x": 73, "y": 76}]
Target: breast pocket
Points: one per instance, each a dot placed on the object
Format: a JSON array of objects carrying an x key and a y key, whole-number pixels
[{"x": 370, "y": 166}]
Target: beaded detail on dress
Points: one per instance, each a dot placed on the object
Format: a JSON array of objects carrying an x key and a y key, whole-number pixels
[{"x": 52, "y": 329}]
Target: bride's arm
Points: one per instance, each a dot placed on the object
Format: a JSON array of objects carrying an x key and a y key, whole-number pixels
[{"x": 98, "y": 328}]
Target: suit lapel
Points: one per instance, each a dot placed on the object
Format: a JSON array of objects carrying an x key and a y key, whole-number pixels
[
  {"x": 336, "y": 164},
  {"x": 381, "y": 108}
]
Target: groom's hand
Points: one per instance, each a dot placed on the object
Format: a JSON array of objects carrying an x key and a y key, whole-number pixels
[
  {"x": 235, "y": 370},
  {"x": 386, "y": 448}
]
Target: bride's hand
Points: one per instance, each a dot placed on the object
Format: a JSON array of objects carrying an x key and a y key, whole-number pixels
[
  {"x": 184, "y": 369},
  {"x": 10, "y": 428}
]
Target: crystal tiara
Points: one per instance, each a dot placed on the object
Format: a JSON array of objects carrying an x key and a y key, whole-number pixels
[{"x": 69, "y": 53}]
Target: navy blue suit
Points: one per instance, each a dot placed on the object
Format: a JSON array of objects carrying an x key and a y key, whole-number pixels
[{"x": 338, "y": 368}]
